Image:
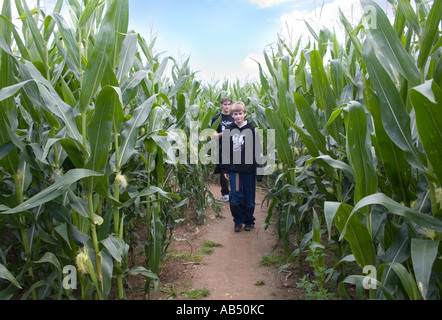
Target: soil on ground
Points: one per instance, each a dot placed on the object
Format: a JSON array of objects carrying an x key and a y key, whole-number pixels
[{"x": 233, "y": 271}]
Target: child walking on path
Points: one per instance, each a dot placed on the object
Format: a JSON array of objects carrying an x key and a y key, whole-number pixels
[
  {"x": 239, "y": 166},
  {"x": 226, "y": 120}
]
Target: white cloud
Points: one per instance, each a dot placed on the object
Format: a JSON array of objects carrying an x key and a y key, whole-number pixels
[
  {"x": 269, "y": 3},
  {"x": 249, "y": 66},
  {"x": 293, "y": 24}
]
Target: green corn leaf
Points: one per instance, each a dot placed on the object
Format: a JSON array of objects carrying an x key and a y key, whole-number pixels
[
  {"x": 410, "y": 15},
  {"x": 282, "y": 142},
  {"x": 131, "y": 85},
  {"x": 11, "y": 160},
  {"x": 395, "y": 117},
  {"x": 152, "y": 190},
  {"x": 53, "y": 191},
  {"x": 116, "y": 247},
  {"x": 337, "y": 76},
  {"x": 325, "y": 36},
  {"x": 359, "y": 152},
  {"x": 121, "y": 25},
  {"x": 181, "y": 109},
  {"x": 407, "y": 280},
  {"x": 397, "y": 168},
  {"x": 6, "y": 14},
  {"x": 78, "y": 204},
  {"x": 155, "y": 123},
  {"x": 19, "y": 41},
  {"x": 422, "y": 220},
  {"x": 310, "y": 121},
  {"x": 340, "y": 165},
  {"x": 308, "y": 140},
  {"x": 5, "y": 149},
  {"x": 351, "y": 33},
  {"x": 6, "y": 48},
  {"x": 5, "y": 274},
  {"x": 68, "y": 38},
  {"x": 427, "y": 102},
  {"x": 62, "y": 231},
  {"x": 330, "y": 209},
  {"x": 263, "y": 78},
  {"x": 430, "y": 31},
  {"x": 51, "y": 258},
  {"x": 91, "y": 6},
  {"x": 312, "y": 31},
  {"x": 387, "y": 42},
  {"x": 73, "y": 148},
  {"x": 399, "y": 250},
  {"x": 194, "y": 93},
  {"x": 270, "y": 65},
  {"x": 399, "y": 23},
  {"x": 139, "y": 270},
  {"x": 359, "y": 280},
  {"x": 286, "y": 107},
  {"x": 49, "y": 23},
  {"x": 44, "y": 95},
  {"x": 316, "y": 228},
  {"x": 156, "y": 243},
  {"x": 130, "y": 132},
  {"x": 285, "y": 222},
  {"x": 127, "y": 56},
  {"x": 8, "y": 92},
  {"x": 99, "y": 59},
  {"x": 354, "y": 232},
  {"x": 178, "y": 85},
  {"x": 423, "y": 255},
  {"x": 36, "y": 36},
  {"x": 320, "y": 81},
  {"x": 324, "y": 94},
  {"x": 99, "y": 132},
  {"x": 107, "y": 267}
]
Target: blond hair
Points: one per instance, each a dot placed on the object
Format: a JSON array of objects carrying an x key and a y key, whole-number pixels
[{"x": 238, "y": 107}]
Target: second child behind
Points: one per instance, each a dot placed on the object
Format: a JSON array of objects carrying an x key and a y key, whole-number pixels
[{"x": 226, "y": 120}]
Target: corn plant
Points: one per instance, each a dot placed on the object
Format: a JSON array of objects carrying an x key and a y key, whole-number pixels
[
  {"x": 85, "y": 113},
  {"x": 370, "y": 122}
]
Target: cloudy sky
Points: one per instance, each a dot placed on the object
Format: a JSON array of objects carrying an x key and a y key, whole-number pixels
[{"x": 224, "y": 38}]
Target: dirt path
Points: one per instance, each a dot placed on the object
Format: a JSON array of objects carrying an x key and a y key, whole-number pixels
[{"x": 233, "y": 271}]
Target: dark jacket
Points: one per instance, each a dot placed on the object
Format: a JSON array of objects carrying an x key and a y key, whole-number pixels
[
  {"x": 244, "y": 149},
  {"x": 225, "y": 122}
]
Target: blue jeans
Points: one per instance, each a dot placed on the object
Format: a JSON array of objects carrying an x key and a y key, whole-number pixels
[{"x": 242, "y": 197}]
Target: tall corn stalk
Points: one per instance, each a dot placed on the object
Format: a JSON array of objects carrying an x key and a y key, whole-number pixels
[
  {"x": 370, "y": 121},
  {"x": 83, "y": 102}
]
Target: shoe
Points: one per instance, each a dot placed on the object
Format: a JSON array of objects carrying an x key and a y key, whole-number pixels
[
  {"x": 226, "y": 198},
  {"x": 238, "y": 227},
  {"x": 249, "y": 227}
]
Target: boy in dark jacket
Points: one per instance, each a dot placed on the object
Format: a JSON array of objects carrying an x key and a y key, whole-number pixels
[
  {"x": 239, "y": 166},
  {"x": 226, "y": 120}
]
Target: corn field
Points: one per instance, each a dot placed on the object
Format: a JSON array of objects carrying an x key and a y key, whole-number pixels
[{"x": 89, "y": 126}]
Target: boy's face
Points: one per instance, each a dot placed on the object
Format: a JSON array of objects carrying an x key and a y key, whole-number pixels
[
  {"x": 239, "y": 117},
  {"x": 226, "y": 107}
]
